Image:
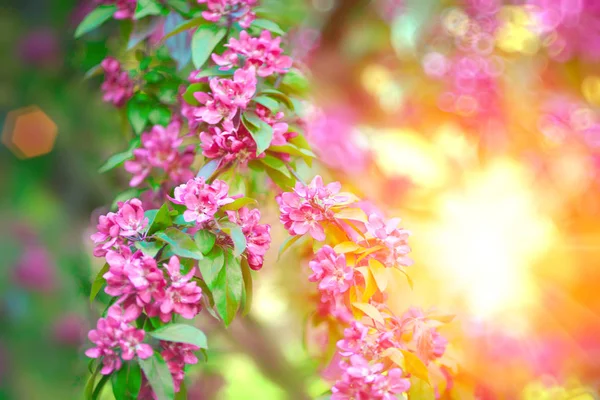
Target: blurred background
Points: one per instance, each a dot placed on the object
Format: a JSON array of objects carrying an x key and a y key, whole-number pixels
[{"x": 476, "y": 121}]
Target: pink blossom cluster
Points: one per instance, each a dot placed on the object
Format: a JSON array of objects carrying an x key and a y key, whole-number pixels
[
  {"x": 227, "y": 96},
  {"x": 230, "y": 11},
  {"x": 228, "y": 143},
  {"x": 362, "y": 380},
  {"x": 307, "y": 207},
  {"x": 177, "y": 356},
  {"x": 117, "y": 85},
  {"x": 263, "y": 52},
  {"x": 563, "y": 118},
  {"x": 201, "y": 199},
  {"x": 160, "y": 149},
  {"x": 138, "y": 281},
  {"x": 116, "y": 230},
  {"x": 571, "y": 27},
  {"x": 125, "y": 8},
  {"x": 473, "y": 89},
  {"x": 334, "y": 278},
  {"x": 258, "y": 236},
  {"x": 394, "y": 240},
  {"x": 116, "y": 339},
  {"x": 336, "y": 141}
]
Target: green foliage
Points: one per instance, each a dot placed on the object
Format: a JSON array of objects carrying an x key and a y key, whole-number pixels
[
  {"x": 98, "y": 283},
  {"x": 158, "y": 375},
  {"x": 205, "y": 39},
  {"x": 119, "y": 158},
  {"x": 127, "y": 382},
  {"x": 261, "y": 132},
  {"x": 158, "y": 220},
  {"x": 228, "y": 287},
  {"x": 180, "y": 243},
  {"x": 181, "y": 333},
  {"x": 94, "y": 19}
]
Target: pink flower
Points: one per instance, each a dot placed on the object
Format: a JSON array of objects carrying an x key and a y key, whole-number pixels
[
  {"x": 36, "y": 270},
  {"x": 331, "y": 271},
  {"x": 107, "y": 235},
  {"x": 228, "y": 143},
  {"x": 125, "y": 8},
  {"x": 183, "y": 295},
  {"x": 130, "y": 218},
  {"x": 258, "y": 236},
  {"x": 135, "y": 276},
  {"x": 201, "y": 199},
  {"x": 262, "y": 52},
  {"x": 395, "y": 241},
  {"x": 353, "y": 341},
  {"x": 160, "y": 149},
  {"x": 116, "y": 339},
  {"x": 365, "y": 381},
  {"x": 335, "y": 140},
  {"x": 177, "y": 355},
  {"x": 231, "y": 10},
  {"x": 228, "y": 95},
  {"x": 308, "y": 206},
  {"x": 117, "y": 86}
]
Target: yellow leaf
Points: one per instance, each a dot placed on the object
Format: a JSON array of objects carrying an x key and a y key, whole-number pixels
[
  {"x": 395, "y": 355},
  {"x": 355, "y": 214},
  {"x": 346, "y": 247},
  {"x": 380, "y": 273},
  {"x": 444, "y": 318},
  {"x": 420, "y": 390},
  {"x": 415, "y": 366},
  {"x": 368, "y": 251},
  {"x": 370, "y": 311},
  {"x": 370, "y": 285}
]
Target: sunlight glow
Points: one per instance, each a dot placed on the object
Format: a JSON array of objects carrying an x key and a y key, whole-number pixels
[{"x": 488, "y": 235}]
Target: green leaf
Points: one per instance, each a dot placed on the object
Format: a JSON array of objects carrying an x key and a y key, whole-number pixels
[
  {"x": 276, "y": 164},
  {"x": 248, "y": 292},
  {"x": 89, "y": 386},
  {"x": 295, "y": 82},
  {"x": 158, "y": 375},
  {"x": 268, "y": 102},
  {"x": 287, "y": 243},
  {"x": 188, "y": 96},
  {"x": 181, "y": 333},
  {"x": 94, "y": 19},
  {"x": 268, "y": 25},
  {"x": 117, "y": 159},
  {"x": 291, "y": 149},
  {"x": 147, "y": 7},
  {"x": 214, "y": 71},
  {"x": 181, "y": 244},
  {"x": 208, "y": 169},
  {"x": 180, "y": 5},
  {"x": 126, "y": 382},
  {"x": 284, "y": 182},
  {"x": 228, "y": 288},
  {"x": 96, "y": 70},
  {"x": 237, "y": 236},
  {"x": 238, "y": 203},
  {"x": 205, "y": 39},
  {"x": 205, "y": 240},
  {"x": 100, "y": 386},
  {"x": 279, "y": 96},
  {"x": 98, "y": 282},
  {"x": 261, "y": 132},
  {"x": 185, "y": 26},
  {"x": 137, "y": 114},
  {"x": 211, "y": 266},
  {"x": 160, "y": 116},
  {"x": 150, "y": 249},
  {"x": 158, "y": 220}
]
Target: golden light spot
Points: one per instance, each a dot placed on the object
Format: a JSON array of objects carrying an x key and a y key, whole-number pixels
[
  {"x": 590, "y": 87},
  {"x": 29, "y": 132},
  {"x": 456, "y": 22}
]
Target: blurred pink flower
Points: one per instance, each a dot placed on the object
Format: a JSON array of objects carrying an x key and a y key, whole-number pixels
[
  {"x": 117, "y": 85},
  {"x": 36, "y": 270},
  {"x": 232, "y": 10}
]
